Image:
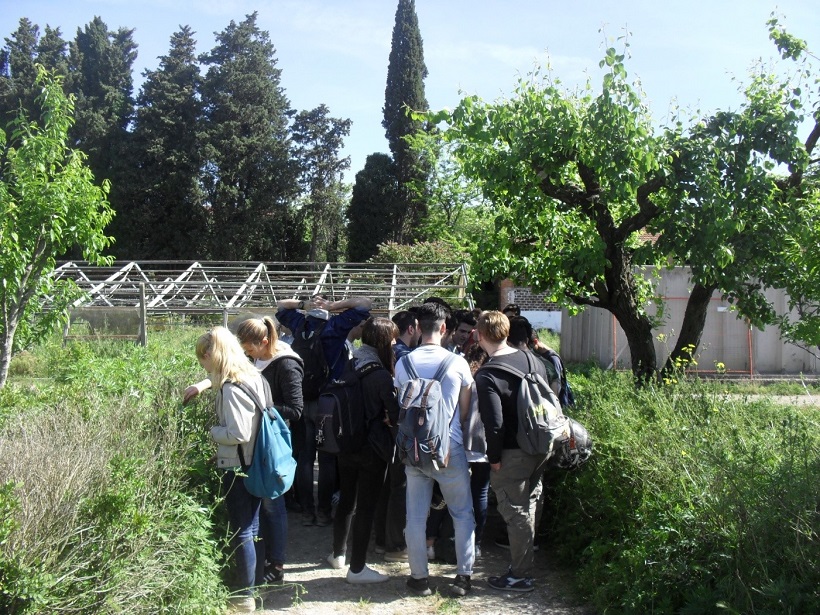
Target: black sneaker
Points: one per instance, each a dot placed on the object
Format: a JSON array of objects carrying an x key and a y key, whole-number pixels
[
  {"x": 509, "y": 583},
  {"x": 461, "y": 585},
  {"x": 274, "y": 574},
  {"x": 420, "y": 587},
  {"x": 308, "y": 519},
  {"x": 323, "y": 519}
]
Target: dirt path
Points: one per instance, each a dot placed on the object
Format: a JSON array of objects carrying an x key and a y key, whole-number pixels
[{"x": 315, "y": 588}]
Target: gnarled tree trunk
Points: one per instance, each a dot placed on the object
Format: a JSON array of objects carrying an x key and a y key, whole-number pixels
[{"x": 691, "y": 331}]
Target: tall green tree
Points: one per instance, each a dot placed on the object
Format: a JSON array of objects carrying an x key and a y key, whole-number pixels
[
  {"x": 17, "y": 71},
  {"x": 318, "y": 139},
  {"x": 375, "y": 197},
  {"x": 100, "y": 77},
  {"x": 576, "y": 177},
  {"x": 404, "y": 92},
  {"x": 165, "y": 203},
  {"x": 52, "y": 51},
  {"x": 24, "y": 49},
  {"x": 250, "y": 177},
  {"x": 48, "y": 203}
]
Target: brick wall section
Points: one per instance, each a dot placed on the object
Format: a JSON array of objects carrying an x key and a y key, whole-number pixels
[{"x": 524, "y": 297}]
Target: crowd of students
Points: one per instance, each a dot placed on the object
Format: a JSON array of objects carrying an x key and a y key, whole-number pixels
[{"x": 409, "y": 505}]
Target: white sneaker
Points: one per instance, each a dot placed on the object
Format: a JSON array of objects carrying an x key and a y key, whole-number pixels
[
  {"x": 431, "y": 553},
  {"x": 242, "y": 604},
  {"x": 366, "y": 575},
  {"x": 336, "y": 562}
]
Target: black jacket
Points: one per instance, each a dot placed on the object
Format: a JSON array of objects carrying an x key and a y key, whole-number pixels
[{"x": 284, "y": 375}]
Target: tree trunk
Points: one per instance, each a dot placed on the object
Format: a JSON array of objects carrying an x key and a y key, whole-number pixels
[
  {"x": 691, "y": 331},
  {"x": 638, "y": 331},
  {"x": 6, "y": 344}
]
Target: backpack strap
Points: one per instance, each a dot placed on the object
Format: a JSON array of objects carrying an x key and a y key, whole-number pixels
[
  {"x": 259, "y": 406},
  {"x": 409, "y": 367},
  {"x": 440, "y": 373},
  {"x": 504, "y": 367},
  {"x": 253, "y": 395},
  {"x": 445, "y": 365},
  {"x": 368, "y": 368}
]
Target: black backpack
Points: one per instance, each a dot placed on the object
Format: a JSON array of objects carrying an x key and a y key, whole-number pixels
[
  {"x": 340, "y": 422},
  {"x": 308, "y": 345},
  {"x": 565, "y": 394}
]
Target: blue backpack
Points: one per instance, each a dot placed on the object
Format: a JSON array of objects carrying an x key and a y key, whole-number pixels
[{"x": 273, "y": 468}]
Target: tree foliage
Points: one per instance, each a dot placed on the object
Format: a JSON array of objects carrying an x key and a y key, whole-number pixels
[
  {"x": 457, "y": 212},
  {"x": 404, "y": 92},
  {"x": 24, "y": 49},
  {"x": 250, "y": 177},
  {"x": 576, "y": 177},
  {"x": 48, "y": 203},
  {"x": 164, "y": 204},
  {"x": 318, "y": 138},
  {"x": 422, "y": 252},
  {"x": 374, "y": 199}
]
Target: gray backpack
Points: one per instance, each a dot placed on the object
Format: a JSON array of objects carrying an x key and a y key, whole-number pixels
[
  {"x": 423, "y": 440},
  {"x": 540, "y": 419}
]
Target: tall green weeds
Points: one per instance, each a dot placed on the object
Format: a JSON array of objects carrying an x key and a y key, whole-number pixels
[
  {"x": 104, "y": 488},
  {"x": 694, "y": 502}
]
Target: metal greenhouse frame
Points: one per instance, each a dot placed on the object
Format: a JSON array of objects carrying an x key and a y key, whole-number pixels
[{"x": 239, "y": 287}]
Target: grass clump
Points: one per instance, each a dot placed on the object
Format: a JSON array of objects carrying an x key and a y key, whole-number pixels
[
  {"x": 106, "y": 504},
  {"x": 693, "y": 502}
]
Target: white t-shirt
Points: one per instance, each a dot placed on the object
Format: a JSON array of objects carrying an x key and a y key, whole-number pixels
[{"x": 426, "y": 359}]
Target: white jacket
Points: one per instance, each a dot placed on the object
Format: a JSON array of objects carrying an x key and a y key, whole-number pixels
[{"x": 238, "y": 423}]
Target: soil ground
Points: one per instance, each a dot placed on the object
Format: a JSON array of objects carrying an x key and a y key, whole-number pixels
[{"x": 313, "y": 587}]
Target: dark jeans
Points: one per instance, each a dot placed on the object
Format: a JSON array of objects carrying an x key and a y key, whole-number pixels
[
  {"x": 304, "y": 468},
  {"x": 480, "y": 487},
  {"x": 391, "y": 511},
  {"x": 243, "y": 521},
  {"x": 360, "y": 478},
  {"x": 273, "y": 526},
  {"x": 297, "y": 437}
]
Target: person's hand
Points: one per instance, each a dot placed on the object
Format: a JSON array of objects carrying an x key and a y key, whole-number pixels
[
  {"x": 320, "y": 302},
  {"x": 495, "y": 467},
  {"x": 189, "y": 393}
]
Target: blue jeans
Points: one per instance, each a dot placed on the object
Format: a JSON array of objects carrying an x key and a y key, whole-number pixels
[
  {"x": 454, "y": 481},
  {"x": 243, "y": 522},
  {"x": 304, "y": 467},
  {"x": 480, "y": 487},
  {"x": 273, "y": 526}
]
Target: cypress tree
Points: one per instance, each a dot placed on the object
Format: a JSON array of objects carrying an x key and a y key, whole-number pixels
[
  {"x": 18, "y": 72},
  {"x": 406, "y": 72},
  {"x": 165, "y": 200},
  {"x": 250, "y": 178},
  {"x": 375, "y": 192},
  {"x": 100, "y": 63}
]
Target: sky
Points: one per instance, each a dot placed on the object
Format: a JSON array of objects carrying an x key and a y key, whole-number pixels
[{"x": 694, "y": 54}]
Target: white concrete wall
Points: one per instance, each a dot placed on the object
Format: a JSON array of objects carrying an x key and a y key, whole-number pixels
[{"x": 595, "y": 334}]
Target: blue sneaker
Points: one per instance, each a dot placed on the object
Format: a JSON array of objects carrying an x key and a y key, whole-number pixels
[{"x": 509, "y": 583}]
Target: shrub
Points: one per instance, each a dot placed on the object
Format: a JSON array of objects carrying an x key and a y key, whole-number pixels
[{"x": 692, "y": 500}]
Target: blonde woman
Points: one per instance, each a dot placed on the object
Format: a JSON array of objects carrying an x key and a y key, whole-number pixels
[
  {"x": 283, "y": 370},
  {"x": 220, "y": 354}
]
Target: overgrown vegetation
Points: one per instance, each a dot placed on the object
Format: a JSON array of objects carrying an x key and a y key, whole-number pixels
[
  {"x": 106, "y": 502},
  {"x": 694, "y": 502}
]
